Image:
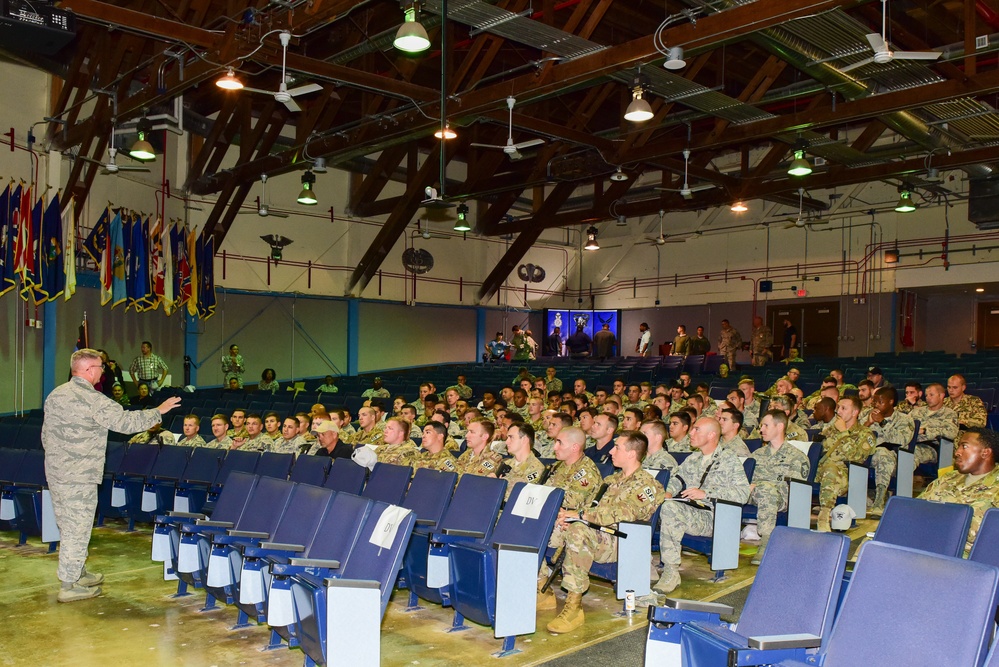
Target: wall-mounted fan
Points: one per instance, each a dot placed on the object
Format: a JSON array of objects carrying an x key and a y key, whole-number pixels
[{"x": 417, "y": 260}]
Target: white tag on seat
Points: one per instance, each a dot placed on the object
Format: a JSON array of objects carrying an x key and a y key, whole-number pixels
[
  {"x": 50, "y": 530},
  {"x": 251, "y": 586},
  {"x": 7, "y": 509},
  {"x": 181, "y": 503},
  {"x": 149, "y": 503},
  {"x": 388, "y": 525},
  {"x": 219, "y": 574},
  {"x": 188, "y": 557},
  {"x": 162, "y": 549},
  {"x": 280, "y": 607},
  {"x": 531, "y": 500},
  {"x": 118, "y": 496}
]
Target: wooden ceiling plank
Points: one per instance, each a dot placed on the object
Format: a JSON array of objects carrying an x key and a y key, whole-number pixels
[{"x": 375, "y": 180}]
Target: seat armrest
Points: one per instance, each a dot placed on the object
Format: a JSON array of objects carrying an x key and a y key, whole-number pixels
[
  {"x": 456, "y": 532},
  {"x": 776, "y": 642},
  {"x": 696, "y": 605},
  {"x": 186, "y": 515},
  {"x": 315, "y": 562},
  {"x": 425, "y": 522},
  {"x": 280, "y": 546},
  {"x": 254, "y": 534},
  {"x": 214, "y": 524},
  {"x": 514, "y": 547}
]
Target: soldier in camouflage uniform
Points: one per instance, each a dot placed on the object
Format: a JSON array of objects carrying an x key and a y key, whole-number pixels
[
  {"x": 157, "y": 435},
  {"x": 434, "y": 454},
  {"x": 729, "y": 342},
  {"x": 524, "y": 466},
  {"x": 395, "y": 447},
  {"x": 970, "y": 409},
  {"x": 463, "y": 389},
  {"x": 370, "y": 433},
  {"x": 865, "y": 392},
  {"x": 479, "y": 459},
  {"x": 892, "y": 429},
  {"x": 658, "y": 457},
  {"x": 290, "y": 441},
  {"x": 679, "y": 433},
  {"x": 577, "y": 475},
  {"x": 762, "y": 339},
  {"x": 936, "y": 423},
  {"x": 74, "y": 436},
  {"x": 191, "y": 437},
  {"x": 794, "y": 431},
  {"x": 975, "y": 478},
  {"x": 913, "y": 397},
  {"x": 853, "y": 444},
  {"x": 256, "y": 440},
  {"x": 730, "y": 422},
  {"x": 220, "y": 429},
  {"x": 237, "y": 424},
  {"x": 632, "y": 495},
  {"x": 775, "y": 460},
  {"x": 709, "y": 473},
  {"x": 751, "y": 404}
]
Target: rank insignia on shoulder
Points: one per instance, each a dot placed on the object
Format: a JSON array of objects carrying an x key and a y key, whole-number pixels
[{"x": 488, "y": 465}]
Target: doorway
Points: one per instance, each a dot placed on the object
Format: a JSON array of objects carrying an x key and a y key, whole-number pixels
[
  {"x": 817, "y": 324},
  {"x": 987, "y": 334}
]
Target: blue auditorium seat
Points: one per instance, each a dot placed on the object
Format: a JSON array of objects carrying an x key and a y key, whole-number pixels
[
  {"x": 199, "y": 474},
  {"x": 160, "y": 485},
  {"x": 429, "y": 495},
  {"x": 311, "y": 469},
  {"x": 346, "y": 476},
  {"x": 496, "y": 585},
  {"x": 470, "y": 517},
  {"x": 796, "y": 591},
  {"x": 940, "y": 528},
  {"x": 27, "y": 501},
  {"x": 273, "y": 464},
  {"x": 387, "y": 483},
  {"x": 125, "y": 497}
]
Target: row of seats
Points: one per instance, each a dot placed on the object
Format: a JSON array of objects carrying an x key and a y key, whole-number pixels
[{"x": 805, "y": 607}]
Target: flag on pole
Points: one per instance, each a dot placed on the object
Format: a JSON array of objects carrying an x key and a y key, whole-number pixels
[
  {"x": 106, "y": 263},
  {"x": 51, "y": 268},
  {"x": 183, "y": 278},
  {"x": 192, "y": 260},
  {"x": 69, "y": 249},
  {"x": 97, "y": 238},
  {"x": 83, "y": 336},
  {"x": 168, "y": 291},
  {"x": 206, "y": 261},
  {"x": 20, "y": 212},
  {"x": 116, "y": 243},
  {"x": 156, "y": 263},
  {"x": 30, "y": 228},
  {"x": 6, "y": 253},
  {"x": 137, "y": 274}
]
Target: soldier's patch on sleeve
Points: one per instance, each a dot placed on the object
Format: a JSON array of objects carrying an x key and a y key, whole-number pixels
[
  {"x": 647, "y": 494},
  {"x": 488, "y": 465},
  {"x": 580, "y": 474},
  {"x": 532, "y": 476},
  {"x": 449, "y": 465}
]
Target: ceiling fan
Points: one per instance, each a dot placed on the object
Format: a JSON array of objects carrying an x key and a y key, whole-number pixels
[
  {"x": 423, "y": 229},
  {"x": 882, "y": 53},
  {"x": 111, "y": 166},
  {"x": 263, "y": 204},
  {"x": 283, "y": 94},
  {"x": 686, "y": 191},
  {"x": 662, "y": 239},
  {"x": 802, "y": 220},
  {"x": 513, "y": 149}
]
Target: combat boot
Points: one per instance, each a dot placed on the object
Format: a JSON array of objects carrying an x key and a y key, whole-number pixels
[
  {"x": 75, "y": 592},
  {"x": 878, "y": 508},
  {"x": 822, "y": 525},
  {"x": 571, "y": 617},
  {"x": 758, "y": 558},
  {"x": 669, "y": 580},
  {"x": 546, "y": 601},
  {"x": 90, "y": 579}
]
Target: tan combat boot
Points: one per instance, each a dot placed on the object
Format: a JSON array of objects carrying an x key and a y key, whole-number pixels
[
  {"x": 669, "y": 580},
  {"x": 76, "y": 592},
  {"x": 90, "y": 579},
  {"x": 822, "y": 525},
  {"x": 880, "y": 496},
  {"x": 546, "y": 601},
  {"x": 571, "y": 616}
]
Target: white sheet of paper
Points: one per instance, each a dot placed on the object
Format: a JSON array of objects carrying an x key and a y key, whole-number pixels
[
  {"x": 531, "y": 501},
  {"x": 388, "y": 525}
]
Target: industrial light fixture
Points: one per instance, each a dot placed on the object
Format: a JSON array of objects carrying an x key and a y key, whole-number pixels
[
  {"x": 229, "y": 81},
  {"x": 142, "y": 149},
  {"x": 979, "y": 289},
  {"x": 739, "y": 207},
  {"x": 461, "y": 224},
  {"x": 675, "y": 58},
  {"x": 411, "y": 36},
  {"x": 639, "y": 110},
  {"x": 891, "y": 255},
  {"x": 591, "y": 239},
  {"x": 308, "y": 194},
  {"x": 619, "y": 176},
  {"x": 800, "y": 166},
  {"x": 446, "y": 133},
  {"x": 319, "y": 165},
  {"x": 905, "y": 203}
]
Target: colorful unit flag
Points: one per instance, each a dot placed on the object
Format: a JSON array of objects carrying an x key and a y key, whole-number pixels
[
  {"x": 206, "y": 262},
  {"x": 52, "y": 269}
]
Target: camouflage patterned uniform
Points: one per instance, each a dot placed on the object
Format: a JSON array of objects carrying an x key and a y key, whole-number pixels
[
  {"x": 981, "y": 494},
  {"x": 442, "y": 461},
  {"x": 751, "y": 414},
  {"x": 522, "y": 411},
  {"x": 736, "y": 445},
  {"x": 261, "y": 443},
  {"x": 895, "y": 430},
  {"x": 660, "y": 460},
  {"x": 842, "y": 447},
  {"x": 544, "y": 445},
  {"x": 970, "y": 410},
  {"x": 464, "y": 391},
  {"x": 195, "y": 441},
  {"x": 373, "y": 436},
  {"x": 580, "y": 482},
  {"x": 74, "y": 436},
  {"x": 486, "y": 463},
  {"x": 241, "y": 433},
  {"x": 158, "y": 438},
  {"x": 729, "y": 342},
  {"x": 676, "y": 406},
  {"x": 794, "y": 432},
  {"x": 632, "y": 498},
  {"x": 865, "y": 412},
  {"x": 907, "y": 407},
  {"x": 935, "y": 425},
  {"x": 710, "y": 408},
  {"x": 225, "y": 442},
  {"x": 769, "y": 492},
  {"x": 402, "y": 454},
  {"x": 723, "y": 477},
  {"x": 529, "y": 471},
  {"x": 683, "y": 445},
  {"x": 762, "y": 339},
  {"x": 282, "y": 446}
]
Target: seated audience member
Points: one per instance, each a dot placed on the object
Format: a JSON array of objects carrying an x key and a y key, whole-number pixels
[
  {"x": 328, "y": 441},
  {"x": 892, "y": 429},
  {"x": 730, "y": 421},
  {"x": 144, "y": 398},
  {"x": 395, "y": 446},
  {"x": 851, "y": 442},
  {"x": 191, "y": 438},
  {"x": 975, "y": 478},
  {"x": 657, "y": 458},
  {"x": 970, "y": 409},
  {"x": 479, "y": 459},
  {"x": 679, "y": 429},
  {"x": 220, "y": 429},
  {"x": 255, "y": 440},
  {"x": 913, "y": 397},
  {"x": 523, "y": 466},
  {"x": 290, "y": 441},
  {"x": 433, "y": 454},
  {"x": 119, "y": 396},
  {"x": 328, "y": 386},
  {"x": 268, "y": 381},
  {"x": 602, "y": 431},
  {"x": 156, "y": 435}
]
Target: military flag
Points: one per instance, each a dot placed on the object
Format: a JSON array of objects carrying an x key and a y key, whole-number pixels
[
  {"x": 116, "y": 244},
  {"x": 206, "y": 263},
  {"x": 192, "y": 260},
  {"x": 51, "y": 268},
  {"x": 69, "y": 249}
]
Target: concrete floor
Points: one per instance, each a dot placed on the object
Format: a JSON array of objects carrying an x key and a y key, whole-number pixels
[{"x": 135, "y": 622}]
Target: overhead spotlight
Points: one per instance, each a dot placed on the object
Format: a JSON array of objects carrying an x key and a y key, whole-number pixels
[
  {"x": 905, "y": 203},
  {"x": 639, "y": 110},
  {"x": 461, "y": 224},
  {"x": 675, "y": 58},
  {"x": 619, "y": 175},
  {"x": 229, "y": 81},
  {"x": 319, "y": 165},
  {"x": 622, "y": 221},
  {"x": 739, "y": 207},
  {"x": 891, "y": 255},
  {"x": 591, "y": 239},
  {"x": 446, "y": 133},
  {"x": 411, "y": 36},
  {"x": 979, "y": 289},
  {"x": 308, "y": 194},
  {"x": 142, "y": 149},
  {"x": 800, "y": 166}
]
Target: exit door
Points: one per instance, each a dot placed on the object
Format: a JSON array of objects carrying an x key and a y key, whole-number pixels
[
  {"x": 988, "y": 325},
  {"x": 817, "y": 324}
]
